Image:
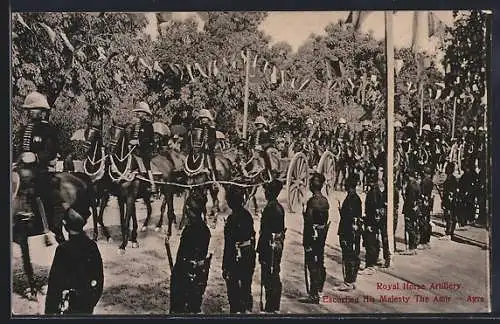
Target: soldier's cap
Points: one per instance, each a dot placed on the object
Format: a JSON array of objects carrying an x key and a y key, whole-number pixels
[
  {"x": 317, "y": 179},
  {"x": 142, "y": 107},
  {"x": 73, "y": 220},
  {"x": 35, "y": 100},
  {"x": 274, "y": 186}
]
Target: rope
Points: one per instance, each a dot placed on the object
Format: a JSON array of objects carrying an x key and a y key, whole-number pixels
[{"x": 205, "y": 183}]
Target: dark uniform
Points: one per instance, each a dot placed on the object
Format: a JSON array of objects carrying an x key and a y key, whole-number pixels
[
  {"x": 190, "y": 273},
  {"x": 349, "y": 233},
  {"x": 76, "y": 277},
  {"x": 412, "y": 212},
  {"x": 449, "y": 202},
  {"x": 144, "y": 133},
  {"x": 427, "y": 203},
  {"x": 315, "y": 232},
  {"x": 238, "y": 262},
  {"x": 260, "y": 141},
  {"x": 467, "y": 190},
  {"x": 270, "y": 246},
  {"x": 202, "y": 139}
]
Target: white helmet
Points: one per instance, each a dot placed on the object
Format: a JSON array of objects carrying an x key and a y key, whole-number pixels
[
  {"x": 464, "y": 128},
  {"x": 481, "y": 129},
  {"x": 309, "y": 121},
  {"x": 366, "y": 122},
  {"x": 142, "y": 107},
  {"x": 426, "y": 127},
  {"x": 397, "y": 123},
  {"x": 471, "y": 129},
  {"x": 410, "y": 124},
  {"x": 36, "y": 100},
  {"x": 204, "y": 113},
  {"x": 260, "y": 120},
  {"x": 342, "y": 120},
  {"x": 437, "y": 128}
]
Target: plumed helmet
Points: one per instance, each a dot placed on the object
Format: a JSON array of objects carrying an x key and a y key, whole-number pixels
[
  {"x": 204, "y": 113},
  {"x": 397, "y": 123},
  {"x": 410, "y": 124},
  {"x": 260, "y": 120},
  {"x": 309, "y": 121},
  {"x": 36, "y": 100},
  {"x": 426, "y": 127},
  {"x": 437, "y": 128},
  {"x": 342, "y": 120},
  {"x": 142, "y": 107}
]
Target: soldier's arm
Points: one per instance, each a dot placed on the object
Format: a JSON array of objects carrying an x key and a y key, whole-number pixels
[
  {"x": 97, "y": 275},
  {"x": 55, "y": 283},
  {"x": 51, "y": 148}
]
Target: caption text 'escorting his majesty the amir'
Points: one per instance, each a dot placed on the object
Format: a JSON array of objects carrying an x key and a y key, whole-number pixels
[{"x": 406, "y": 293}]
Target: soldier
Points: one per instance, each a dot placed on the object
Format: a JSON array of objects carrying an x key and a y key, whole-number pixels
[
  {"x": 411, "y": 134},
  {"x": 342, "y": 133},
  {"x": 76, "y": 276},
  {"x": 261, "y": 140},
  {"x": 192, "y": 265},
  {"x": 349, "y": 233},
  {"x": 270, "y": 245},
  {"x": 467, "y": 191},
  {"x": 315, "y": 231},
  {"x": 370, "y": 224},
  {"x": 143, "y": 138},
  {"x": 38, "y": 149},
  {"x": 412, "y": 212},
  {"x": 202, "y": 138},
  {"x": 427, "y": 204},
  {"x": 449, "y": 202},
  {"x": 312, "y": 139},
  {"x": 238, "y": 262},
  {"x": 398, "y": 133}
]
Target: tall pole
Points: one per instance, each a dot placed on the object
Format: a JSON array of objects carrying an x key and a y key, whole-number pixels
[
  {"x": 454, "y": 117},
  {"x": 421, "y": 91},
  {"x": 389, "y": 43},
  {"x": 245, "y": 103}
]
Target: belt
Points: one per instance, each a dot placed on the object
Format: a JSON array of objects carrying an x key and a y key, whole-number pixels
[
  {"x": 239, "y": 246},
  {"x": 319, "y": 226}
]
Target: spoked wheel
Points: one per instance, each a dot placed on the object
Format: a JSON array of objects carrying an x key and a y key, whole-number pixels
[
  {"x": 297, "y": 181},
  {"x": 326, "y": 167}
]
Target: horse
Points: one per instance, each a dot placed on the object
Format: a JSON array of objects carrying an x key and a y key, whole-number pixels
[
  {"x": 344, "y": 163},
  {"x": 29, "y": 216}
]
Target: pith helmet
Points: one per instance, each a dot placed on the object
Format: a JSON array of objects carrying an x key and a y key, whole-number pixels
[
  {"x": 410, "y": 124},
  {"x": 471, "y": 129},
  {"x": 426, "y": 127},
  {"x": 397, "y": 123},
  {"x": 481, "y": 129},
  {"x": 142, "y": 107},
  {"x": 204, "y": 113},
  {"x": 260, "y": 120},
  {"x": 342, "y": 121},
  {"x": 437, "y": 128},
  {"x": 309, "y": 121},
  {"x": 36, "y": 100},
  {"x": 366, "y": 123},
  {"x": 464, "y": 128}
]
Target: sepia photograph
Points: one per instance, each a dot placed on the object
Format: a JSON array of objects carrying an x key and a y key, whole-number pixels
[{"x": 269, "y": 163}]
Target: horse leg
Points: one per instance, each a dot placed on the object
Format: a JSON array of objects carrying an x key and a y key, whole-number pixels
[
  {"x": 103, "y": 202},
  {"x": 169, "y": 201},
  {"x": 214, "y": 192},
  {"x": 149, "y": 211},
  {"x": 123, "y": 223},
  {"x": 133, "y": 236},
  {"x": 28, "y": 267}
]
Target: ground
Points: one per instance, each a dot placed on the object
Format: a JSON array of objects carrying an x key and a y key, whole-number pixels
[{"x": 137, "y": 283}]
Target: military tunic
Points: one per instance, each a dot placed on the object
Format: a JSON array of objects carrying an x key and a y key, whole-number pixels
[
  {"x": 349, "y": 233},
  {"x": 427, "y": 205},
  {"x": 449, "y": 203},
  {"x": 238, "y": 262},
  {"x": 270, "y": 249},
  {"x": 315, "y": 233},
  {"x": 261, "y": 140},
  {"x": 412, "y": 212},
  {"x": 144, "y": 133},
  {"x": 375, "y": 223},
  {"x": 190, "y": 272},
  {"x": 77, "y": 267}
]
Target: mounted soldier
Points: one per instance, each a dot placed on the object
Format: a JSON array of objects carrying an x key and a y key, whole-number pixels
[
  {"x": 260, "y": 141},
  {"x": 342, "y": 135},
  {"x": 312, "y": 137},
  {"x": 36, "y": 155},
  {"x": 366, "y": 138},
  {"x": 440, "y": 148},
  {"x": 202, "y": 140},
  {"x": 143, "y": 138}
]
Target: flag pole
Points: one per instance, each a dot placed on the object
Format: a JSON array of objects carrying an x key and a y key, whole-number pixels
[
  {"x": 389, "y": 43},
  {"x": 453, "y": 120},
  {"x": 421, "y": 86},
  {"x": 245, "y": 103}
]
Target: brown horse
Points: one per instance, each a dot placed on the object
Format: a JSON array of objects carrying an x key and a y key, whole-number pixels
[{"x": 30, "y": 215}]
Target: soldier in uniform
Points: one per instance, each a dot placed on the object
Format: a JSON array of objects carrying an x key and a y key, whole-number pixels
[
  {"x": 190, "y": 273},
  {"x": 270, "y": 245},
  {"x": 449, "y": 202},
  {"x": 350, "y": 233},
  {"x": 467, "y": 190},
  {"x": 312, "y": 139},
  {"x": 427, "y": 203},
  {"x": 261, "y": 140},
  {"x": 202, "y": 138},
  {"x": 76, "y": 276},
  {"x": 143, "y": 138},
  {"x": 412, "y": 212},
  {"x": 38, "y": 148},
  {"x": 315, "y": 231},
  {"x": 398, "y": 132},
  {"x": 411, "y": 134},
  {"x": 238, "y": 262},
  {"x": 370, "y": 224}
]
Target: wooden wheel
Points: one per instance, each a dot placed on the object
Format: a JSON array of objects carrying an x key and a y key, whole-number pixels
[
  {"x": 326, "y": 167},
  {"x": 297, "y": 181}
]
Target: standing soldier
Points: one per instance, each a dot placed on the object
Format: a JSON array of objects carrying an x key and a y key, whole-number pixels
[
  {"x": 38, "y": 149},
  {"x": 411, "y": 211},
  {"x": 270, "y": 246},
  {"x": 467, "y": 188},
  {"x": 238, "y": 262},
  {"x": 349, "y": 233},
  {"x": 427, "y": 204},
  {"x": 260, "y": 141},
  {"x": 371, "y": 223},
  {"x": 315, "y": 231},
  {"x": 143, "y": 138},
  {"x": 202, "y": 139},
  {"x": 449, "y": 202},
  {"x": 76, "y": 277},
  {"x": 192, "y": 265}
]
